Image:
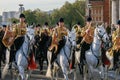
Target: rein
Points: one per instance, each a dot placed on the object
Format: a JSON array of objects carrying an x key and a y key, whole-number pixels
[
  {"x": 97, "y": 57},
  {"x": 70, "y": 51},
  {"x": 28, "y": 49}
]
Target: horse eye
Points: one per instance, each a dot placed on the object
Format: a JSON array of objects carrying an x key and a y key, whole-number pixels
[{"x": 100, "y": 31}]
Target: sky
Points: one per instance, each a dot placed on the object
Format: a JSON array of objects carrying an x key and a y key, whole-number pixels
[{"x": 44, "y": 5}]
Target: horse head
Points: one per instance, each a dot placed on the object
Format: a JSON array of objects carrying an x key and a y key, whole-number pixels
[
  {"x": 30, "y": 33},
  {"x": 72, "y": 38},
  {"x": 102, "y": 35}
]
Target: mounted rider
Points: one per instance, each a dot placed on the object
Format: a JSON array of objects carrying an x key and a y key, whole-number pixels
[
  {"x": 58, "y": 38},
  {"x": 79, "y": 32},
  {"x": 116, "y": 44},
  {"x": 37, "y": 29},
  {"x": 87, "y": 38},
  {"x": 14, "y": 38}
]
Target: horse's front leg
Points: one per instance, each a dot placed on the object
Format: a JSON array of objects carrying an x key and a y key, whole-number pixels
[
  {"x": 21, "y": 72},
  {"x": 49, "y": 71},
  {"x": 64, "y": 70},
  {"x": 5, "y": 70},
  {"x": 75, "y": 76},
  {"x": 102, "y": 74}
]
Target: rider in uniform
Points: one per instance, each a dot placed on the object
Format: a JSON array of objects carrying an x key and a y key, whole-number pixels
[
  {"x": 58, "y": 37},
  {"x": 78, "y": 30},
  {"x": 87, "y": 39},
  {"x": 37, "y": 30},
  {"x": 116, "y": 44},
  {"x": 37, "y": 39},
  {"x": 16, "y": 37}
]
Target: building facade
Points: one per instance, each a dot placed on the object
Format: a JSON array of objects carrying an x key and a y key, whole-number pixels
[
  {"x": 115, "y": 11},
  {"x": 103, "y": 10},
  {"x": 99, "y": 10},
  {"x": 0, "y": 20},
  {"x": 6, "y": 16}
]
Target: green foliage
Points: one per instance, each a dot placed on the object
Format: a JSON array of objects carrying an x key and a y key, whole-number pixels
[
  {"x": 13, "y": 19},
  {"x": 72, "y": 13}
]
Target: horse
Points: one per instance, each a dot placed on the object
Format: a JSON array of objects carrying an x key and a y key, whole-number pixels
[
  {"x": 93, "y": 55},
  {"x": 41, "y": 42},
  {"x": 63, "y": 57},
  {"x": 21, "y": 57}
]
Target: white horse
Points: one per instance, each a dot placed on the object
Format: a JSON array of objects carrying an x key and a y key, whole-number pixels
[
  {"x": 21, "y": 57},
  {"x": 93, "y": 55},
  {"x": 64, "y": 56}
]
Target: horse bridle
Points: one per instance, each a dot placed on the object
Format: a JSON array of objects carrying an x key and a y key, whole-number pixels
[
  {"x": 69, "y": 48},
  {"x": 70, "y": 40},
  {"x": 101, "y": 36}
]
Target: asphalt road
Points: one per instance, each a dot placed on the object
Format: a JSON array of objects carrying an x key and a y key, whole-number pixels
[{"x": 36, "y": 75}]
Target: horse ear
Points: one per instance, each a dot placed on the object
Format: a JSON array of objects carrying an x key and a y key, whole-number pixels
[{"x": 97, "y": 26}]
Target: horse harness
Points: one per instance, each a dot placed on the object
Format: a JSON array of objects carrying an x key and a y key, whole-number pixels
[
  {"x": 28, "y": 49},
  {"x": 98, "y": 57},
  {"x": 70, "y": 51}
]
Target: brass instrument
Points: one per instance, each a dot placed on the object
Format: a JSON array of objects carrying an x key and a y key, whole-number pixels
[
  {"x": 8, "y": 38},
  {"x": 10, "y": 35},
  {"x": 88, "y": 38}
]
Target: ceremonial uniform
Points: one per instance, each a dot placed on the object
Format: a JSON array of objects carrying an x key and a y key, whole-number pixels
[
  {"x": 116, "y": 45},
  {"x": 87, "y": 39},
  {"x": 116, "y": 40},
  {"x": 58, "y": 38},
  {"x": 14, "y": 38},
  {"x": 38, "y": 30}
]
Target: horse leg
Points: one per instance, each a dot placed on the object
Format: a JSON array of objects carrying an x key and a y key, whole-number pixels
[
  {"x": 65, "y": 73},
  {"x": 75, "y": 76},
  {"x": 5, "y": 70},
  {"x": 49, "y": 72},
  {"x": 85, "y": 72},
  {"x": 102, "y": 75},
  {"x": 21, "y": 72},
  {"x": 41, "y": 62},
  {"x": 90, "y": 72},
  {"x": 28, "y": 75}
]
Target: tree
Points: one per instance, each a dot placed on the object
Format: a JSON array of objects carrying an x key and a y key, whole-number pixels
[
  {"x": 72, "y": 13},
  {"x": 30, "y": 16},
  {"x": 13, "y": 19}
]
